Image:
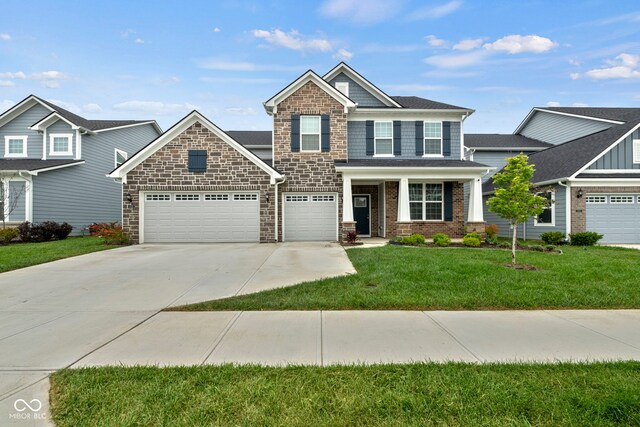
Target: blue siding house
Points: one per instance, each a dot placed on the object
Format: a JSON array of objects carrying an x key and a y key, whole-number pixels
[{"x": 53, "y": 163}]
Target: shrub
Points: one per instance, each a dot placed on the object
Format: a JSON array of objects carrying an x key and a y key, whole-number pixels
[
  {"x": 95, "y": 228},
  {"x": 471, "y": 241},
  {"x": 491, "y": 231},
  {"x": 351, "y": 237},
  {"x": 475, "y": 235},
  {"x": 550, "y": 247},
  {"x": 585, "y": 238},
  {"x": 553, "y": 237},
  {"x": 7, "y": 235},
  {"x": 414, "y": 240},
  {"x": 537, "y": 248},
  {"x": 504, "y": 244},
  {"x": 441, "y": 240},
  {"x": 113, "y": 234},
  {"x": 24, "y": 231},
  {"x": 491, "y": 240},
  {"x": 62, "y": 231}
]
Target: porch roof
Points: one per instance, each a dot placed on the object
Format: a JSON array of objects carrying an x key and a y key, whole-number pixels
[
  {"x": 409, "y": 163},
  {"x": 33, "y": 166},
  {"x": 412, "y": 169}
]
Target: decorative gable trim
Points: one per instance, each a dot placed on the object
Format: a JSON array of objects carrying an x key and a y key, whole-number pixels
[
  {"x": 50, "y": 119},
  {"x": 20, "y": 108},
  {"x": 560, "y": 113},
  {"x": 184, "y": 124},
  {"x": 366, "y": 84}
]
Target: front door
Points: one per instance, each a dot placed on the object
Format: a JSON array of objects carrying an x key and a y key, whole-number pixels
[{"x": 361, "y": 214}]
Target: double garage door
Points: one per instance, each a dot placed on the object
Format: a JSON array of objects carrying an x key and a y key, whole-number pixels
[
  {"x": 181, "y": 217},
  {"x": 617, "y": 216},
  {"x": 310, "y": 217}
]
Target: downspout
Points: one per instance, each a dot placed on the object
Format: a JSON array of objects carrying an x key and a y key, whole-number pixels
[{"x": 277, "y": 202}]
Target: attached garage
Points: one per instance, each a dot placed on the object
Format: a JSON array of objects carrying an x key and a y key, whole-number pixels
[
  {"x": 309, "y": 217},
  {"x": 200, "y": 217},
  {"x": 616, "y": 216}
]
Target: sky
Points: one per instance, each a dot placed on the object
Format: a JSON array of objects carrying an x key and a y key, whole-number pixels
[{"x": 160, "y": 59}]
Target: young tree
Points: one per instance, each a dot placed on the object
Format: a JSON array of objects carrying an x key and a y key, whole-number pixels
[
  {"x": 513, "y": 199},
  {"x": 9, "y": 199}
]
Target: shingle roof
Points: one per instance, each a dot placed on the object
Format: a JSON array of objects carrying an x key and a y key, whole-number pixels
[
  {"x": 32, "y": 164},
  {"x": 409, "y": 163},
  {"x": 424, "y": 104},
  {"x": 251, "y": 137},
  {"x": 494, "y": 140},
  {"x": 617, "y": 114}
]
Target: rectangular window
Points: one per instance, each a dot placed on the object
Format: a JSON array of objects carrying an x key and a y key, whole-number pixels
[
  {"x": 310, "y": 133},
  {"x": 596, "y": 199},
  {"x": 343, "y": 87},
  {"x": 383, "y": 137},
  {"x": 158, "y": 197},
  {"x": 60, "y": 144},
  {"x": 241, "y": 197},
  {"x": 425, "y": 202},
  {"x": 432, "y": 139},
  {"x": 548, "y": 216},
  {"x": 15, "y": 146},
  {"x": 187, "y": 197},
  {"x": 215, "y": 197},
  {"x": 326, "y": 198},
  {"x": 296, "y": 198},
  {"x": 197, "y": 160},
  {"x": 120, "y": 157},
  {"x": 636, "y": 151},
  {"x": 626, "y": 200}
]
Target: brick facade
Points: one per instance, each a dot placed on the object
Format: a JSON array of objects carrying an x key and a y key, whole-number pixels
[
  {"x": 227, "y": 170},
  {"x": 309, "y": 172},
  {"x": 579, "y": 205}
]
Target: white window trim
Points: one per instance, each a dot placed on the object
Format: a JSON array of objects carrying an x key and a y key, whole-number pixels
[
  {"x": 69, "y": 152},
  {"x": 424, "y": 201},
  {"x": 636, "y": 151},
  {"x": 15, "y": 155},
  {"x": 343, "y": 87},
  {"x": 375, "y": 139},
  {"x": 424, "y": 139},
  {"x": 319, "y": 133},
  {"x": 553, "y": 212},
  {"x": 115, "y": 156}
]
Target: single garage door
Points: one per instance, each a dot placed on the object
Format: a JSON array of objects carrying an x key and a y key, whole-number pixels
[
  {"x": 183, "y": 217},
  {"x": 617, "y": 216},
  {"x": 310, "y": 217}
]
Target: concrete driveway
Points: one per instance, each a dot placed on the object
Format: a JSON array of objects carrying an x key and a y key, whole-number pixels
[{"x": 55, "y": 314}]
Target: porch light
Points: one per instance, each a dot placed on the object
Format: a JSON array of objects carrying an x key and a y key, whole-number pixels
[
  {"x": 129, "y": 197},
  {"x": 266, "y": 195},
  {"x": 579, "y": 195}
]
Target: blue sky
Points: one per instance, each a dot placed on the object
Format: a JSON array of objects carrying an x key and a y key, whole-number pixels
[{"x": 160, "y": 59}]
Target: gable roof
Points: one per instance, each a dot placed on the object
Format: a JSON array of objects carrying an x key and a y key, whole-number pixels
[
  {"x": 606, "y": 113},
  {"x": 190, "y": 119},
  {"x": 415, "y": 102},
  {"x": 482, "y": 141},
  {"x": 342, "y": 67},
  {"x": 252, "y": 137}
]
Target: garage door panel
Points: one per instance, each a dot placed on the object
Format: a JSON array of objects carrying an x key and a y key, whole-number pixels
[
  {"x": 618, "y": 222},
  {"x": 306, "y": 219}
]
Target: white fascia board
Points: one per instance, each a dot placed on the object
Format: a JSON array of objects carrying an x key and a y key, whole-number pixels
[
  {"x": 51, "y": 168},
  {"x": 391, "y": 173},
  {"x": 580, "y": 116},
  {"x": 150, "y": 122},
  {"x": 20, "y": 108},
  {"x": 51, "y": 119},
  {"x": 508, "y": 148},
  {"x": 537, "y": 184},
  {"x": 606, "y": 182},
  {"x": 613, "y": 171},
  {"x": 359, "y": 79},
  {"x": 408, "y": 114}
]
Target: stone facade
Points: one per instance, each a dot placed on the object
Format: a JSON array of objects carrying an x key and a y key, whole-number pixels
[
  {"x": 227, "y": 170},
  {"x": 579, "y": 205},
  {"x": 309, "y": 172}
]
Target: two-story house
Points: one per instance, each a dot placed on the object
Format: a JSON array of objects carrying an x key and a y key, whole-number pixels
[
  {"x": 53, "y": 163},
  {"x": 344, "y": 157}
]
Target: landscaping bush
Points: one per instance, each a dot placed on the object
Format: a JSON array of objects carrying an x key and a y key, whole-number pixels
[
  {"x": 441, "y": 240},
  {"x": 7, "y": 235},
  {"x": 62, "y": 231},
  {"x": 414, "y": 240},
  {"x": 537, "y": 248},
  {"x": 471, "y": 241},
  {"x": 491, "y": 231},
  {"x": 504, "y": 244},
  {"x": 24, "y": 231},
  {"x": 550, "y": 247},
  {"x": 585, "y": 238},
  {"x": 351, "y": 237},
  {"x": 113, "y": 234},
  {"x": 553, "y": 237},
  {"x": 44, "y": 231},
  {"x": 96, "y": 228}
]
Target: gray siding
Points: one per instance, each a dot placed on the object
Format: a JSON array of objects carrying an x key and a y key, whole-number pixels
[
  {"x": 17, "y": 194},
  {"x": 557, "y": 128},
  {"x": 20, "y": 127},
  {"x": 81, "y": 195},
  {"x": 357, "y": 143},
  {"x": 529, "y": 230},
  {"x": 357, "y": 93},
  {"x": 65, "y": 128},
  {"x": 620, "y": 156},
  {"x": 264, "y": 153}
]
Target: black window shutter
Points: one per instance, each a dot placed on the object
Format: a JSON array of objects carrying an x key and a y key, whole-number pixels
[
  {"x": 397, "y": 142},
  {"x": 419, "y": 138},
  {"x": 448, "y": 201},
  {"x": 295, "y": 132},
  {"x": 325, "y": 134},
  {"x": 369, "y": 129},
  {"x": 197, "y": 161},
  {"x": 446, "y": 138}
]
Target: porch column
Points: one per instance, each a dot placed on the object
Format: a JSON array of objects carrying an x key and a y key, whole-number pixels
[
  {"x": 403, "y": 201},
  {"x": 347, "y": 200},
  {"x": 475, "y": 202}
]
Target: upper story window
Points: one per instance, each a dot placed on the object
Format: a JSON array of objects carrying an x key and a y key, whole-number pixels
[
  {"x": 426, "y": 202},
  {"x": 310, "y": 133},
  {"x": 60, "y": 144},
  {"x": 343, "y": 87},
  {"x": 548, "y": 216},
  {"x": 433, "y": 138},
  {"x": 383, "y": 137},
  {"x": 15, "y": 146},
  {"x": 120, "y": 157},
  {"x": 636, "y": 151}
]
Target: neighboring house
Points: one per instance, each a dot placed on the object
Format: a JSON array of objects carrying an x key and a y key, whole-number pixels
[
  {"x": 345, "y": 156},
  {"x": 53, "y": 163},
  {"x": 591, "y": 174}
]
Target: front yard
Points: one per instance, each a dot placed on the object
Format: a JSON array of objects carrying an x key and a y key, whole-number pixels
[{"x": 406, "y": 278}]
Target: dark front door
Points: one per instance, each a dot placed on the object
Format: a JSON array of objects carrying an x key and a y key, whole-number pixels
[{"x": 361, "y": 214}]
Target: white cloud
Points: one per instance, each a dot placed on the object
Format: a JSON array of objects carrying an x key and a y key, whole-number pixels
[
  {"x": 223, "y": 64},
  {"x": 623, "y": 66},
  {"x": 6, "y": 83},
  {"x": 516, "y": 43},
  {"x": 575, "y": 62},
  {"x": 138, "y": 41},
  {"x": 553, "y": 104},
  {"x": 579, "y": 104},
  {"x": 449, "y": 74},
  {"x": 343, "y": 54},
  {"x": 5, "y": 104},
  {"x": 49, "y": 79},
  {"x": 92, "y": 108},
  {"x": 468, "y": 44},
  {"x": 66, "y": 105},
  {"x": 169, "y": 80},
  {"x": 434, "y": 41},
  {"x": 126, "y": 33},
  {"x": 293, "y": 40},
  {"x": 154, "y": 107},
  {"x": 9, "y": 75},
  {"x": 390, "y": 48},
  {"x": 241, "y": 111},
  {"x": 5, "y": 37},
  {"x": 457, "y": 60},
  {"x": 241, "y": 80},
  {"x": 574, "y": 76},
  {"x": 417, "y": 87},
  {"x": 361, "y": 12},
  {"x": 216, "y": 30},
  {"x": 435, "y": 12}
]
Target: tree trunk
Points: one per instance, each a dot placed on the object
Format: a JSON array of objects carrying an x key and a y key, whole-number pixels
[{"x": 513, "y": 244}]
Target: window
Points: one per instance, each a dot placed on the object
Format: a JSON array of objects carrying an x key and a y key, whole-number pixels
[
  {"x": 425, "y": 202},
  {"x": 322, "y": 198},
  {"x": 309, "y": 133},
  {"x": 215, "y": 197},
  {"x": 548, "y": 216},
  {"x": 60, "y": 144},
  {"x": 197, "y": 160},
  {"x": 621, "y": 199},
  {"x": 120, "y": 157},
  {"x": 241, "y": 197},
  {"x": 636, "y": 151},
  {"x": 297, "y": 198},
  {"x": 343, "y": 87},
  {"x": 383, "y": 137},
  {"x": 187, "y": 197},
  {"x": 158, "y": 197},
  {"x": 432, "y": 138},
  {"x": 596, "y": 199},
  {"x": 15, "y": 146}
]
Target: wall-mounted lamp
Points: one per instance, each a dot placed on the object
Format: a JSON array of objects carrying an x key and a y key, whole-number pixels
[
  {"x": 129, "y": 197},
  {"x": 266, "y": 196},
  {"x": 579, "y": 195}
]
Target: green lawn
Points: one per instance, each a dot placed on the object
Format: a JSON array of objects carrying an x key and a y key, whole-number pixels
[
  {"x": 20, "y": 255},
  {"x": 603, "y": 394},
  {"x": 406, "y": 278}
]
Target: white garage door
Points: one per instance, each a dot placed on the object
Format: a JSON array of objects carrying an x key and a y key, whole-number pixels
[
  {"x": 617, "y": 216},
  {"x": 310, "y": 217},
  {"x": 201, "y": 217}
]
